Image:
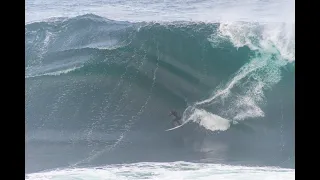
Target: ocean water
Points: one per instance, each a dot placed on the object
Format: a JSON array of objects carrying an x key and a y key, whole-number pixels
[{"x": 102, "y": 76}]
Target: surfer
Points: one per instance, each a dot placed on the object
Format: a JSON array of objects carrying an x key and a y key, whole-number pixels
[{"x": 177, "y": 120}]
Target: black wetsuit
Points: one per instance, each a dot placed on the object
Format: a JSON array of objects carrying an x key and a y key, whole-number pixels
[{"x": 177, "y": 121}]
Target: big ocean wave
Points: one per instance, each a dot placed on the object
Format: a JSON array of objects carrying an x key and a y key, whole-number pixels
[{"x": 110, "y": 84}]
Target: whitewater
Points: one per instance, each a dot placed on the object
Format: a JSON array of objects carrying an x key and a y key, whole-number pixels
[{"x": 102, "y": 76}]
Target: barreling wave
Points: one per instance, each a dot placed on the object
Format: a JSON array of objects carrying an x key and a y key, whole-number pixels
[
  {"x": 91, "y": 45},
  {"x": 106, "y": 78}
]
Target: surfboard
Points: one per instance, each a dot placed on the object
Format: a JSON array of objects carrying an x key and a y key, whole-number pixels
[
  {"x": 177, "y": 126},
  {"x": 174, "y": 128}
]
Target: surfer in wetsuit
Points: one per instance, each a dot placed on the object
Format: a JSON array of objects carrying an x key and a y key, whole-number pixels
[{"x": 177, "y": 120}]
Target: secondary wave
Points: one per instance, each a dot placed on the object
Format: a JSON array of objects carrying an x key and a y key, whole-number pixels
[{"x": 174, "y": 170}]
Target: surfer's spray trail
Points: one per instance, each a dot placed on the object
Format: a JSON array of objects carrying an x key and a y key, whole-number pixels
[{"x": 244, "y": 92}]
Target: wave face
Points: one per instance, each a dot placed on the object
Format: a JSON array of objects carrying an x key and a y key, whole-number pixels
[{"x": 98, "y": 91}]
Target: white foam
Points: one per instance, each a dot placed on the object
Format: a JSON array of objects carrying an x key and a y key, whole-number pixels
[
  {"x": 174, "y": 10},
  {"x": 209, "y": 121},
  {"x": 170, "y": 170},
  {"x": 54, "y": 73},
  {"x": 274, "y": 45},
  {"x": 269, "y": 37},
  {"x": 242, "y": 106},
  {"x": 260, "y": 74},
  {"x": 251, "y": 109}
]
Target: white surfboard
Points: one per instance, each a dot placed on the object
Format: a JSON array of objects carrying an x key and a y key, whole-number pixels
[
  {"x": 177, "y": 126},
  {"x": 174, "y": 127}
]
